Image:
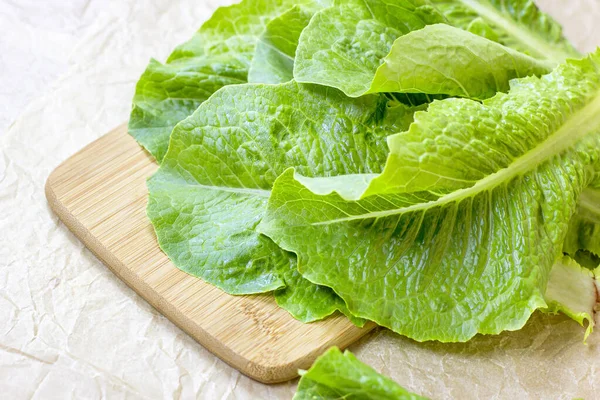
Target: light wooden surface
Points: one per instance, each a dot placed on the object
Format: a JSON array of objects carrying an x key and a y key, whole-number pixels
[{"x": 100, "y": 195}]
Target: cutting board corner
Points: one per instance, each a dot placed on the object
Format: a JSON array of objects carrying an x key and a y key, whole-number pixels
[{"x": 100, "y": 195}]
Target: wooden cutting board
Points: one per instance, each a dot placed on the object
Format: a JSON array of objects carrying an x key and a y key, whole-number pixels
[{"x": 100, "y": 194}]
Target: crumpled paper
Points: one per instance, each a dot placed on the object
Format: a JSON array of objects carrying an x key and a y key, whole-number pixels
[{"x": 69, "y": 328}]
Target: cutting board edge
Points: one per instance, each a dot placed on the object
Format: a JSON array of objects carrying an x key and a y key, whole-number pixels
[{"x": 255, "y": 369}]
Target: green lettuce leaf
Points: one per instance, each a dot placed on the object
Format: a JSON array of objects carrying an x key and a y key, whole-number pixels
[
  {"x": 385, "y": 46},
  {"x": 573, "y": 290},
  {"x": 518, "y": 24},
  {"x": 219, "y": 54},
  {"x": 337, "y": 375},
  {"x": 479, "y": 68},
  {"x": 214, "y": 183},
  {"x": 467, "y": 251},
  {"x": 273, "y": 60},
  {"x": 347, "y": 42}
]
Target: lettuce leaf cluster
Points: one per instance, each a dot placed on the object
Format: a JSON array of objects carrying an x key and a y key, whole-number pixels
[{"x": 429, "y": 165}]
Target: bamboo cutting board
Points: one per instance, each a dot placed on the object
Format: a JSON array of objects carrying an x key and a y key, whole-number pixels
[{"x": 100, "y": 195}]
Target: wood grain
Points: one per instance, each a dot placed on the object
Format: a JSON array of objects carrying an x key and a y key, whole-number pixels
[{"x": 100, "y": 194}]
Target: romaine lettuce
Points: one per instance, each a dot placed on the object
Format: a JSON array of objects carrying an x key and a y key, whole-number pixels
[
  {"x": 518, "y": 24},
  {"x": 219, "y": 54},
  {"x": 337, "y": 375},
  {"x": 573, "y": 290},
  {"x": 273, "y": 60},
  {"x": 213, "y": 185},
  {"x": 403, "y": 47},
  {"x": 450, "y": 229},
  {"x": 459, "y": 233}
]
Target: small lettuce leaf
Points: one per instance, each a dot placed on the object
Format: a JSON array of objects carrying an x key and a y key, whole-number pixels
[
  {"x": 219, "y": 54},
  {"x": 214, "y": 183},
  {"x": 337, "y": 375},
  {"x": 479, "y": 67},
  {"x": 584, "y": 228},
  {"x": 376, "y": 54},
  {"x": 573, "y": 290},
  {"x": 518, "y": 24},
  {"x": 273, "y": 60},
  {"x": 442, "y": 261}
]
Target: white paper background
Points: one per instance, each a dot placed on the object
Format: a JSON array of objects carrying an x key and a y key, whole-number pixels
[{"x": 70, "y": 329}]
